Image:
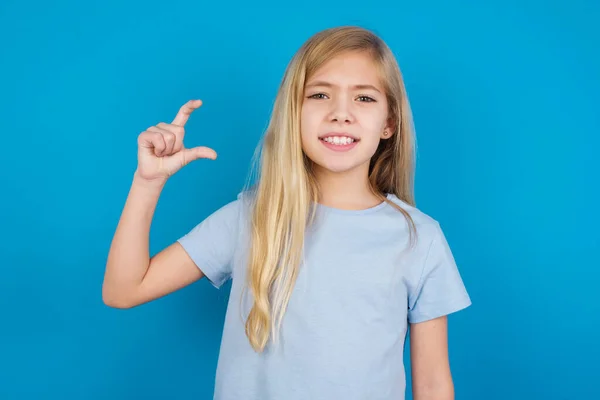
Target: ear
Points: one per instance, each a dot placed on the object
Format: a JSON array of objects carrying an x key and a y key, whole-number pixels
[{"x": 389, "y": 129}]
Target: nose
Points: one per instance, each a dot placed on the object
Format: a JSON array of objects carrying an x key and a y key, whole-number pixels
[{"x": 341, "y": 111}]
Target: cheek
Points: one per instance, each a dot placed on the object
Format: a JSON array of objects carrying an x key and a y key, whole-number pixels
[
  {"x": 308, "y": 116},
  {"x": 374, "y": 121},
  {"x": 373, "y": 125},
  {"x": 309, "y": 124},
  {"x": 307, "y": 128}
]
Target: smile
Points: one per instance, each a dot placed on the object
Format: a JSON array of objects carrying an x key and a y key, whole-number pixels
[{"x": 339, "y": 143}]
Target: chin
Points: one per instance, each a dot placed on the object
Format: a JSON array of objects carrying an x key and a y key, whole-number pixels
[
  {"x": 337, "y": 162},
  {"x": 336, "y": 167}
]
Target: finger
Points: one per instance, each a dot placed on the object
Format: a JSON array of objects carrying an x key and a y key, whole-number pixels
[
  {"x": 158, "y": 143},
  {"x": 177, "y": 130},
  {"x": 169, "y": 138},
  {"x": 195, "y": 153},
  {"x": 185, "y": 111},
  {"x": 152, "y": 139}
]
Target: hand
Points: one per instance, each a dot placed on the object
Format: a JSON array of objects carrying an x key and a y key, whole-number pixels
[{"x": 161, "y": 152}]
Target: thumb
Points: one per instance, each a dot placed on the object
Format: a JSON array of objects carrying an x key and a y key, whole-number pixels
[{"x": 195, "y": 153}]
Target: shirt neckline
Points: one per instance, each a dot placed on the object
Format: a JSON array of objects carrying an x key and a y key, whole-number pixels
[{"x": 355, "y": 212}]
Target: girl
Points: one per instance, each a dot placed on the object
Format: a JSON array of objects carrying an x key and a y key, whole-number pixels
[{"x": 330, "y": 261}]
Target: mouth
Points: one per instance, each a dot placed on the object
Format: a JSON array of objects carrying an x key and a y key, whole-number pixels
[{"x": 339, "y": 141}]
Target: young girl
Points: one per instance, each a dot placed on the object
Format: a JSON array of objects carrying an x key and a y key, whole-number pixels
[{"x": 330, "y": 260}]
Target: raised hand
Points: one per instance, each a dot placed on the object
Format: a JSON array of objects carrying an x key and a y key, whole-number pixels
[{"x": 161, "y": 151}]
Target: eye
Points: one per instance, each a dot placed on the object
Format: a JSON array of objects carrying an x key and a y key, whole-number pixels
[
  {"x": 366, "y": 99},
  {"x": 316, "y": 96}
]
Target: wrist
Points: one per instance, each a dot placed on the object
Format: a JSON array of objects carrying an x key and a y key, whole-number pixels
[{"x": 156, "y": 184}]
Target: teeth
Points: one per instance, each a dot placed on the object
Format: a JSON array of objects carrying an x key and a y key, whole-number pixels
[{"x": 339, "y": 140}]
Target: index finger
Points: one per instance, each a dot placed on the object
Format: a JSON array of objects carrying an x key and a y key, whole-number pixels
[{"x": 185, "y": 111}]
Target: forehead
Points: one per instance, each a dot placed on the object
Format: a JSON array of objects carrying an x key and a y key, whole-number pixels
[{"x": 347, "y": 69}]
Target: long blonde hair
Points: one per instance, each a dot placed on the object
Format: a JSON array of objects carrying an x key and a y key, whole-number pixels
[{"x": 286, "y": 191}]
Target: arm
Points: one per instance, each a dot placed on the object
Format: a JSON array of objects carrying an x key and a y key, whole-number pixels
[
  {"x": 430, "y": 366},
  {"x": 131, "y": 276}
]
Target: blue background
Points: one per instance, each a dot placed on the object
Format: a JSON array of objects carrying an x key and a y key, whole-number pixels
[{"x": 505, "y": 97}]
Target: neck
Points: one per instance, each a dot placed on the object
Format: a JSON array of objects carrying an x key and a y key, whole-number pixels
[{"x": 347, "y": 190}]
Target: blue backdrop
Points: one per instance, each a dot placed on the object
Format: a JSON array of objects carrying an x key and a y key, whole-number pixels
[{"x": 505, "y": 98}]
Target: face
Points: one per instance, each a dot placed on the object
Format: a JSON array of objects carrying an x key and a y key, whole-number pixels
[{"x": 344, "y": 114}]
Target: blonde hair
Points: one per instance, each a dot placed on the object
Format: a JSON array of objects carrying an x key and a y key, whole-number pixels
[{"x": 286, "y": 191}]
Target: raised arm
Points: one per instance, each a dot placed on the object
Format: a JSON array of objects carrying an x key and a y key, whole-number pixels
[{"x": 132, "y": 277}]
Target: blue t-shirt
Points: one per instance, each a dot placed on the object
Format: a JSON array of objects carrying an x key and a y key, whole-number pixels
[{"x": 344, "y": 330}]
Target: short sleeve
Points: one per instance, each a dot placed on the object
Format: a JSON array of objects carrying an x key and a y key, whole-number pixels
[
  {"x": 211, "y": 243},
  {"x": 440, "y": 290}
]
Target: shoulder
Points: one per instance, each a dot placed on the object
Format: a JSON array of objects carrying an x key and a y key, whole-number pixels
[
  {"x": 236, "y": 212},
  {"x": 428, "y": 230},
  {"x": 245, "y": 201},
  {"x": 420, "y": 218},
  {"x": 240, "y": 204},
  {"x": 228, "y": 215}
]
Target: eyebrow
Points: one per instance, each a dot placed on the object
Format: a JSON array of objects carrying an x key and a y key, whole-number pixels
[{"x": 330, "y": 85}]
